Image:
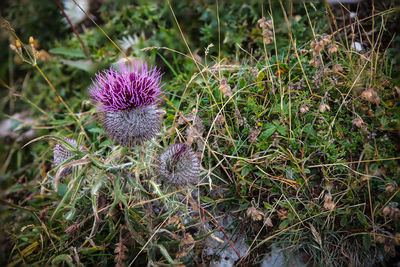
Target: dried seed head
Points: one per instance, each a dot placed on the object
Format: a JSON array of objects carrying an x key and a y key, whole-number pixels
[
  {"x": 43, "y": 55},
  {"x": 225, "y": 88},
  {"x": 371, "y": 95},
  {"x": 127, "y": 100},
  {"x": 324, "y": 107},
  {"x": 262, "y": 22},
  {"x": 328, "y": 203},
  {"x": 304, "y": 51},
  {"x": 269, "y": 24},
  {"x": 357, "y": 122},
  {"x": 316, "y": 46},
  {"x": 61, "y": 154},
  {"x": 332, "y": 49},
  {"x": 267, "y": 33},
  {"x": 304, "y": 109},
  {"x": 268, "y": 36},
  {"x": 255, "y": 214},
  {"x": 380, "y": 239},
  {"x": 179, "y": 165},
  {"x": 268, "y": 40},
  {"x": 220, "y": 120},
  {"x": 337, "y": 68},
  {"x": 390, "y": 187},
  {"x": 387, "y": 211},
  {"x": 326, "y": 40},
  {"x": 268, "y": 222}
]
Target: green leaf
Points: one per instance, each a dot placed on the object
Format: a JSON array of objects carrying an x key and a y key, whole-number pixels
[
  {"x": 68, "y": 52},
  {"x": 166, "y": 255},
  {"x": 268, "y": 206},
  {"x": 260, "y": 76},
  {"x": 63, "y": 257},
  {"x": 269, "y": 131},
  {"x": 245, "y": 171},
  {"x": 281, "y": 130},
  {"x": 16, "y": 188},
  {"x": 97, "y": 130},
  {"x": 62, "y": 189},
  {"x": 70, "y": 215},
  {"x": 85, "y": 65},
  {"x": 106, "y": 143},
  {"x": 59, "y": 122},
  {"x": 206, "y": 199},
  {"x": 308, "y": 129},
  {"x": 284, "y": 224},
  {"x": 362, "y": 219},
  {"x": 90, "y": 250}
]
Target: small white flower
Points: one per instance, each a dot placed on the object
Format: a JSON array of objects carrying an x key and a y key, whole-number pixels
[{"x": 128, "y": 42}]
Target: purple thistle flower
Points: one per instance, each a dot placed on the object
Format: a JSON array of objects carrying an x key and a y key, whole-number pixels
[
  {"x": 179, "y": 165},
  {"x": 127, "y": 100}
]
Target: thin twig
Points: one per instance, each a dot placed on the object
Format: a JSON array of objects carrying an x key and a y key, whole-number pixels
[
  {"x": 73, "y": 29},
  {"x": 351, "y": 162},
  {"x": 222, "y": 229}
]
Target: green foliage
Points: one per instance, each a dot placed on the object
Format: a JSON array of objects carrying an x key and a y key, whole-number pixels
[{"x": 304, "y": 145}]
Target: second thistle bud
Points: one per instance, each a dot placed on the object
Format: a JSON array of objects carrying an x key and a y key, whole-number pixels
[
  {"x": 179, "y": 165},
  {"x": 61, "y": 154}
]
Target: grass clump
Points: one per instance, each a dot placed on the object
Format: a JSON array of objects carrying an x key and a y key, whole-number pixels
[{"x": 296, "y": 132}]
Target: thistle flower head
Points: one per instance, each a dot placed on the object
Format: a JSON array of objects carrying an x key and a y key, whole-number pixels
[
  {"x": 132, "y": 126},
  {"x": 179, "y": 165},
  {"x": 127, "y": 100},
  {"x": 135, "y": 86},
  {"x": 61, "y": 154}
]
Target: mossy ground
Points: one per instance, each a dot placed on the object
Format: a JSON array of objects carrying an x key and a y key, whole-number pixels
[{"x": 297, "y": 132}]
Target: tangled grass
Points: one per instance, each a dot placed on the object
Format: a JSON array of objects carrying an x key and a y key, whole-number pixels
[{"x": 297, "y": 136}]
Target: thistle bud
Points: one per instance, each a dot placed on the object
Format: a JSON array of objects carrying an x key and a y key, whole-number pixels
[
  {"x": 179, "y": 165},
  {"x": 61, "y": 154}
]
